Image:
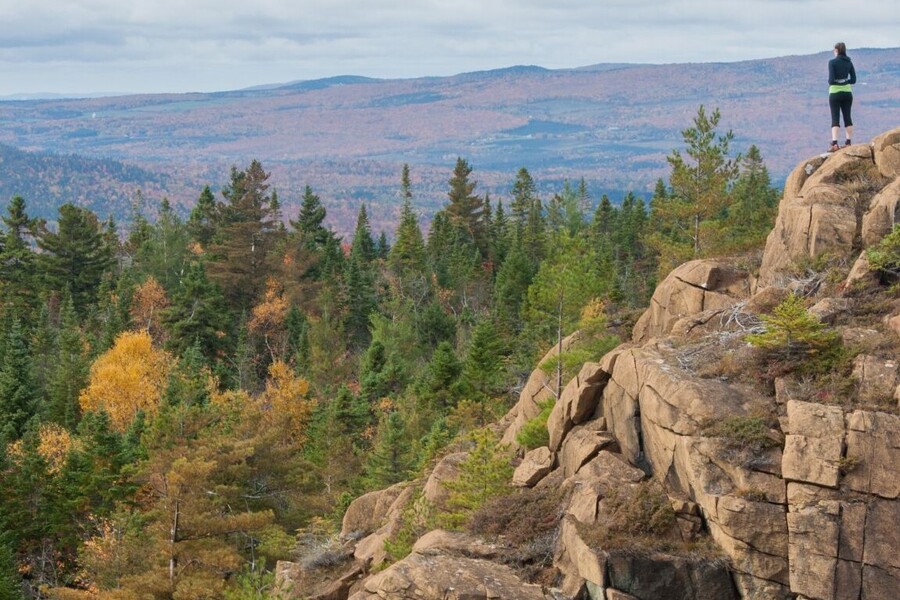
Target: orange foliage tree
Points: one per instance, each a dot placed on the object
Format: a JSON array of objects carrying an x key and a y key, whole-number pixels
[
  {"x": 267, "y": 319},
  {"x": 149, "y": 299},
  {"x": 285, "y": 404},
  {"x": 129, "y": 377}
]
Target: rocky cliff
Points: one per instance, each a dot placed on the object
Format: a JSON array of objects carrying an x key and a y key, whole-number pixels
[{"x": 774, "y": 485}]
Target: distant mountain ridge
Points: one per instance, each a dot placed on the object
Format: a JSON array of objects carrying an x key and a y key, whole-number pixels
[{"x": 348, "y": 136}]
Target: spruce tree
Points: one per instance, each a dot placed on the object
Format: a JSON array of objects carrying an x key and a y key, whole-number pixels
[
  {"x": 390, "y": 459},
  {"x": 297, "y": 326},
  {"x": 18, "y": 279},
  {"x": 197, "y": 315},
  {"x": 310, "y": 221},
  {"x": 203, "y": 221},
  {"x": 359, "y": 300},
  {"x": 510, "y": 288},
  {"x": 408, "y": 252},
  {"x": 755, "y": 201},
  {"x": 382, "y": 372},
  {"x": 69, "y": 373},
  {"x": 363, "y": 246},
  {"x": 240, "y": 257},
  {"x": 17, "y": 388},
  {"x": 382, "y": 246},
  {"x": 465, "y": 209},
  {"x": 483, "y": 371},
  {"x": 524, "y": 194},
  {"x": 76, "y": 256},
  {"x": 10, "y": 583},
  {"x": 484, "y": 474}
]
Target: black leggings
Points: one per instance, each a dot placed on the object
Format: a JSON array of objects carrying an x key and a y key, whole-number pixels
[{"x": 840, "y": 102}]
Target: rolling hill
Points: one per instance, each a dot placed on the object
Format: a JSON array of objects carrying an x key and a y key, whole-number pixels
[{"x": 347, "y": 137}]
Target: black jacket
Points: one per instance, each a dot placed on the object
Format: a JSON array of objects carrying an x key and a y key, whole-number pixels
[{"x": 841, "y": 71}]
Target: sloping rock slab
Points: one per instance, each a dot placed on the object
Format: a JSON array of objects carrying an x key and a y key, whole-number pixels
[{"x": 418, "y": 577}]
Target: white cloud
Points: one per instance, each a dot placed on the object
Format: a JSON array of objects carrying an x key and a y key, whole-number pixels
[{"x": 180, "y": 45}]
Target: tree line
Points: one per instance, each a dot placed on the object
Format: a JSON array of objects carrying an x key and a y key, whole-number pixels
[{"x": 179, "y": 398}]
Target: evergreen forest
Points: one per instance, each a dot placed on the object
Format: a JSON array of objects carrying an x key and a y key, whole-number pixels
[{"x": 184, "y": 401}]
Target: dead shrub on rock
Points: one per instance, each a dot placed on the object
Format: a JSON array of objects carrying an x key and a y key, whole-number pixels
[{"x": 637, "y": 518}]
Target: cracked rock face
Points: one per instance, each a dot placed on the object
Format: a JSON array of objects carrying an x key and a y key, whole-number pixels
[
  {"x": 823, "y": 212},
  {"x": 690, "y": 289}
]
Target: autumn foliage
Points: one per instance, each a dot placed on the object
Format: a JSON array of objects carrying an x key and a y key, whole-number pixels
[{"x": 129, "y": 377}]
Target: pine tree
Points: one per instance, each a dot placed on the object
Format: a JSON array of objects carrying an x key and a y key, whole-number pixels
[
  {"x": 164, "y": 254},
  {"x": 699, "y": 192}
]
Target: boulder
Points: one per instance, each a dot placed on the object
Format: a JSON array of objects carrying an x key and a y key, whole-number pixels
[
  {"x": 370, "y": 549},
  {"x": 534, "y": 467},
  {"x": 597, "y": 479},
  {"x": 622, "y": 415},
  {"x": 766, "y": 299},
  {"x": 367, "y": 513},
  {"x": 454, "y": 542},
  {"x": 446, "y": 470},
  {"x": 827, "y": 309},
  {"x": 420, "y": 576},
  {"x": 893, "y": 323},
  {"x": 813, "y": 446},
  {"x": 691, "y": 288},
  {"x": 581, "y": 445},
  {"x": 577, "y": 403},
  {"x": 886, "y": 149},
  {"x": 293, "y": 581}
]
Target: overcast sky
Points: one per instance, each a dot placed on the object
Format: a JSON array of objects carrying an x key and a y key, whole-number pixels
[{"x": 85, "y": 46}]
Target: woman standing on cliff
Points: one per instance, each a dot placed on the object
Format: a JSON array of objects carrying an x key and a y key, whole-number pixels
[{"x": 841, "y": 75}]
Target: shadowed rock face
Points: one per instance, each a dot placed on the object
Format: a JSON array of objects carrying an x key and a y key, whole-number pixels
[{"x": 814, "y": 514}]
